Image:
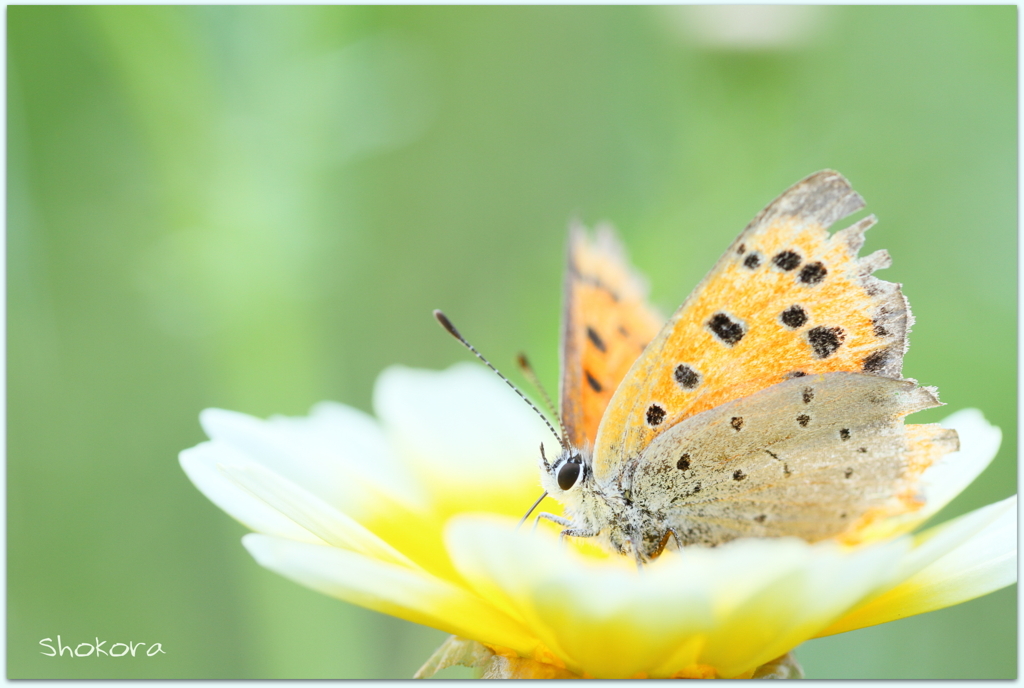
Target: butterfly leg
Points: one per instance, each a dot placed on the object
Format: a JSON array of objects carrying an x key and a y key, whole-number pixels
[
  {"x": 639, "y": 559},
  {"x": 569, "y": 528},
  {"x": 564, "y": 522},
  {"x": 579, "y": 532},
  {"x": 576, "y": 532},
  {"x": 634, "y": 540}
]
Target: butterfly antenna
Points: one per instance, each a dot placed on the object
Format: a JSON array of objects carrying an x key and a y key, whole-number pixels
[
  {"x": 531, "y": 375},
  {"x": 535, "y": 505},
  {"x": 447, "y": 324}
]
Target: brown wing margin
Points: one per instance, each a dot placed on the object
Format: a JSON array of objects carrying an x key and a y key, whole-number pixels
[{"x": 606, "y": 323}]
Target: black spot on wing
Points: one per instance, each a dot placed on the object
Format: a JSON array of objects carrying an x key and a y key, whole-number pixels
[
  {"x": 687, "y": 377},
  {"x": 738, "y": 475},
  {"x": 787, "y": 260},
  {"x": 808, "y": 395},
  {"x": 844, "y": 434},
  {"x": 825, "y": 340},
  {"x": 736, "y": 423},
  {"x": 793, "y": 317},
  {"x": 684, "y": 462},
  {"x": 728, "y": 331},
  {"x": 596, "y": 340},
  {"x": 813, "y": 273},
  {"x": 752, "y": 261},
  {"x": 655, "y": 415},
  {"x": 803, "y": 420},
  {"x": 594, "y": 384},
  {"x": 875, "y": 362}
]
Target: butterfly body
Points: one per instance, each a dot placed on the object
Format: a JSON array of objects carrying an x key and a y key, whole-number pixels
[{"x": 770, "y": 404}]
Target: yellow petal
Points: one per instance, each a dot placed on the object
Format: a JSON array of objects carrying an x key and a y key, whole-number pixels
[
  {"x": 582, "y": 613},
  {"x": 733, "y": 608},
  {"x": 819, "y": 584},
  {"x": 980, "y": 557}
]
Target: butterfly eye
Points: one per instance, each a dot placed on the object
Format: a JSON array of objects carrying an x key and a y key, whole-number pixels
[{"x": 569, "y": 473}]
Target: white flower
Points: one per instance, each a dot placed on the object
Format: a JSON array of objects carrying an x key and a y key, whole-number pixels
[{"x": 413, "y": 514}]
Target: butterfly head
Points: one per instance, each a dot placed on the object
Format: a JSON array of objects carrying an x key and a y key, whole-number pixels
[{"x": 567, "y": 473}]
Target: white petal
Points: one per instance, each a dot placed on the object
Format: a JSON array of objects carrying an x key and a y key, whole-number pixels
[
  {"x": 312, "y": 513},
  {"x": 979, "y": 556},
  {"x": 947, "y": 477},
  {"x": 337, "y": 453},
  {"x": 938, "y": 541},
  {"x": 463, "y": 430},
  {"x": 341, "y": 435},
  {"x": 200, "y": 464},
  {"x": 406, "y": 593},
  {"x": 979, "y": 444}
]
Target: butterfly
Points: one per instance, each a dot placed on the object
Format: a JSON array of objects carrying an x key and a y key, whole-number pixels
[{"x": 770, "y": 404}]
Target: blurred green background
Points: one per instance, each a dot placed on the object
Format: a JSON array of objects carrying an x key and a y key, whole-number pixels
[{"x": 257, "y": 208}]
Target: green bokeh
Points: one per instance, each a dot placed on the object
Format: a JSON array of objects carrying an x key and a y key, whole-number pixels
[{"x": 257, "y": 208}]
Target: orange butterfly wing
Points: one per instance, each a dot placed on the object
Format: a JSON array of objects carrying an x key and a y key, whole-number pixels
[
  {"x": 786, "y": 299},
  {"x": 606, "y": 324}
]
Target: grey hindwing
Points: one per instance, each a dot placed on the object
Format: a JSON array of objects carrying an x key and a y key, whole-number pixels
[{"x": 804, "y": 457}]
